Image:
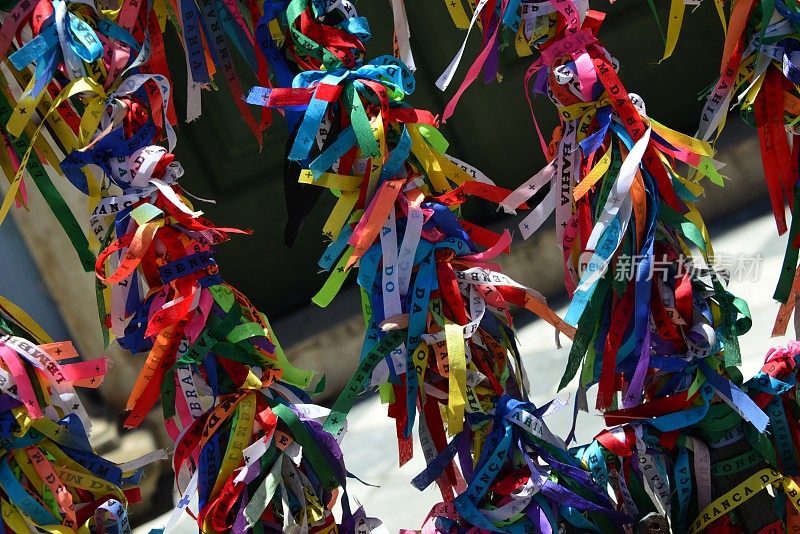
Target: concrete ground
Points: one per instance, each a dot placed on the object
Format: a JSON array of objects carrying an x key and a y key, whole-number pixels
[{"x": 370, "y": 447}]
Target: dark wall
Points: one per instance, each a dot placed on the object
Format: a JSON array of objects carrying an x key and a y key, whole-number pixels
[{"x": 491, "y": 129}]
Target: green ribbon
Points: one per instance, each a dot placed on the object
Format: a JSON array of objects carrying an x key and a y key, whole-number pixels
[
  {"x": 360, "y": 122},
  {"x": 360, "y": 379},
  {"x": 51, "y": 195},
  {"x": 688, "y": 229},
  {"x": 608, "y": 181},
  {"x": 311, "y": 450},
  {"x": 168, "y": 397},
  {"x": 585, "y": 331},
  {"x": 305, "y": 44},
  {"x": 737, "y": 464},
  {"x": 99, "y": 286},
  {"x": 786, "y": 278}
]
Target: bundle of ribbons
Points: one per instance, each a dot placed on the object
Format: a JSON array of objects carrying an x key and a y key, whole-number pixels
[
  {"x": 706, "y": 468},
  {"x": 760, "y": 73},
  {"x": 86, "y": 91},
  {"x": 248, "y": 441},
  {"x": 51, "y": 480},
  {"x": 656, "y": 330}
]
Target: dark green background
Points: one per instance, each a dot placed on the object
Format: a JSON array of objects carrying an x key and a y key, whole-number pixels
[{"x": 491, "y": 129}]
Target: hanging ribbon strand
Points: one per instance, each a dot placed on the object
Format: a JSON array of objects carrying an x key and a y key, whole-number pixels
[{"x": 760, "y": 74}]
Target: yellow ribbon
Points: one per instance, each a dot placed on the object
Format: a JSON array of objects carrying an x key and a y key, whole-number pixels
[
  {"x": 89, "y": 123},
  {"x": 676, "y": 9},
  {"x": 239, "y": 439},
  {"x": 426, "y": 157},
  {"x": 457, "y": 13},
  {"x": 597, "y": 172},
  {"x": 19, "y": 316},
  {"x": 331, "y": 180},
  {"x": 457, "y": 378},
  {"x": 724, "y": 504}
]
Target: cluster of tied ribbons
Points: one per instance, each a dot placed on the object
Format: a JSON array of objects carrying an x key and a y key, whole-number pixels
[
  {"x": 50, "y": 478},
  {"x": 656, "y": 330},
  {"x": 439, "y": 343},
  {"x": 760, "y": 74},
  {"x": 86, "y": 94}
]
